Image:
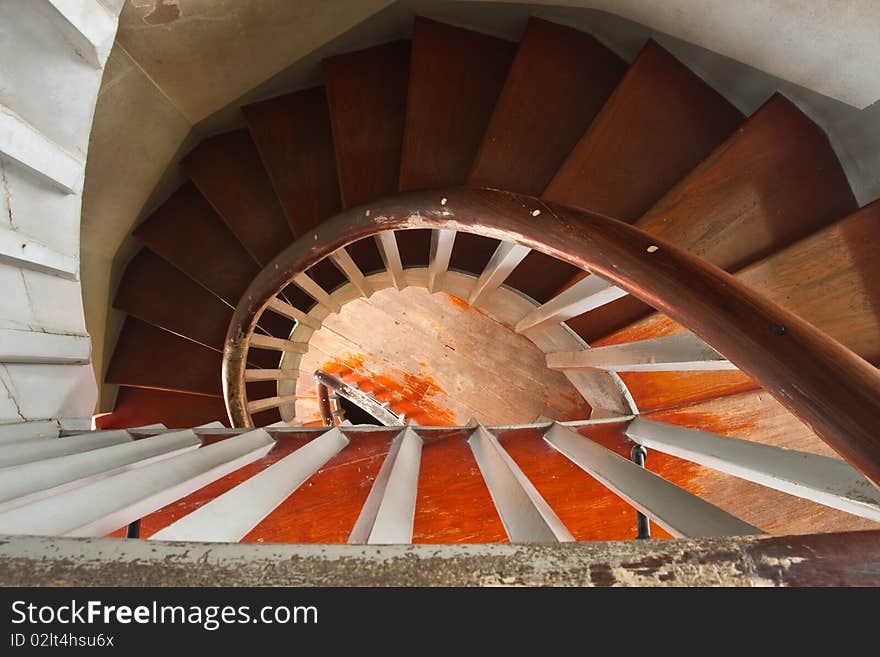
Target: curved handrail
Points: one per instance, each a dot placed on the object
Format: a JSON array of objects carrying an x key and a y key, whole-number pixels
[{"x": 823, "y": 383}]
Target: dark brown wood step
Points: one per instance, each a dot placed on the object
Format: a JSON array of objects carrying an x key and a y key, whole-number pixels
[
  {"x": 155, "y": 291},
  {"x": 366, "y": 92},
  {"x": 559, "y": 80},
  {"x": 229, "y": 173},
  {"x": 293, "y": 136},
  {"x": 453, "y": 503},
  {"x": 456, "y": 76},
  {"x": 188, "y": 233},
  {"x": 660, "y": 122},
  {"x": 771, "y": 183},
  {"x": 137, "y": 407},
  {"x": 149, "y": 357}
]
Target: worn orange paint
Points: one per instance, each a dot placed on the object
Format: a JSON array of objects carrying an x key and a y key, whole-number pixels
[
  {"x": 409, "y": 394},
  {"x": 579, "y": 409},
  {"x": 453, "y": 504},
  {"x": 166, "y": 515},
  {"x": 458, "y": 302},
  {"x": 326, "y": 507},
  {"x": 589, "y": 510},
  {"x": 658, "y": 390}
]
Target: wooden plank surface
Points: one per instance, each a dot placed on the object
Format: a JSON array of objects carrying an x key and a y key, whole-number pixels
[
  {"x": 366, "y": 91},
  {"x": 136, "y": 407},
  {"x": 150, "y": 357},
  {"x": 558, "y": 82},
  {"x": 773, "y": 182},
  {"x": 293, "y": 136},
  {"x": 188, "y": 233},
  {"x": 156, "y": 292},
  {"x": 455, "y": 78},
  {"x": 228, "y": 171},
  {"x": 659, "y": 123},
  {"x": 453, "y": 504}
]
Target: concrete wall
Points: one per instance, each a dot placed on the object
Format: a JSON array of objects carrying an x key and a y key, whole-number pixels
[{"x": 54, "y": 54}]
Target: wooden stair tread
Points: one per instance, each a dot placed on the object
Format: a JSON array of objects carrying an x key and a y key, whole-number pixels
[
  {"x": 293, "y": 136},
  {"x": 149, "y": 357},
  {"x": 455, "y": 78},
  {"x": 366, "y": 93},
  {"x": 558, "y": 82},
  {"x": 155, "y": 291},
  {"x": 137, "y": 407},
  {"x": 188, "y": 233},
  {"x": 771, "y": 183},
  {"x": 453, "y": 503},
  {"x": 839, "y": 296},
  {"x": 229, "y": 173},
  {"x": 659, "y": 123}
]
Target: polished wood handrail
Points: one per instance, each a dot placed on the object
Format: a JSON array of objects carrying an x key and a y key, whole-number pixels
[{"x": 830, "y": 388}]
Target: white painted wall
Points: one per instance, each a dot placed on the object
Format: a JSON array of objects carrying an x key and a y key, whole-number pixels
[{"x": 50, "y": 74}]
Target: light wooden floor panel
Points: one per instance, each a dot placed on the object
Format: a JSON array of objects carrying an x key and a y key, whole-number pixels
[{"x": 438, "y": 361}]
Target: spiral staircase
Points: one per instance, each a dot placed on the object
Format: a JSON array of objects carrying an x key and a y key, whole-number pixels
[{"x": 585, "y": 204}]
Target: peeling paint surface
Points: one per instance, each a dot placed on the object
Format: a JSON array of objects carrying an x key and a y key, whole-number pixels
[{"x": 847, "y": 559}]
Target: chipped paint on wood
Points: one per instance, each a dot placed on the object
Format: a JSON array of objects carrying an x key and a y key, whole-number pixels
[{"x": 846, "y": 559}]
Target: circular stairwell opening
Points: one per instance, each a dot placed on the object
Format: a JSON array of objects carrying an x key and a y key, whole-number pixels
[{"x": 437, "y": 360}]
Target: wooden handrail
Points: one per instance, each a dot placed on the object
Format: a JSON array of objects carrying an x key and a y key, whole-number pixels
[{"x": 830, "y": 388}]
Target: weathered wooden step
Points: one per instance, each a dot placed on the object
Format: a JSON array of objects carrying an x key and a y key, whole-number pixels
[
  {"x": 772, "y": 182},
  {"x": 660, "y": 122},
  {"x": 456, "y": 76},
  {"x": 558, "y": 82},
  {"x": 176, "y": 410},
  {"x": 155, "y": 291},
  {"x": 228, "y": 171},
  {"x": 149, "y": 357},
  {"x": 366, "y": 92},
  {"x": 293, "y": 136},
  {"x": 187, "y": 232},
  {"x": 826, "y": 278}
]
